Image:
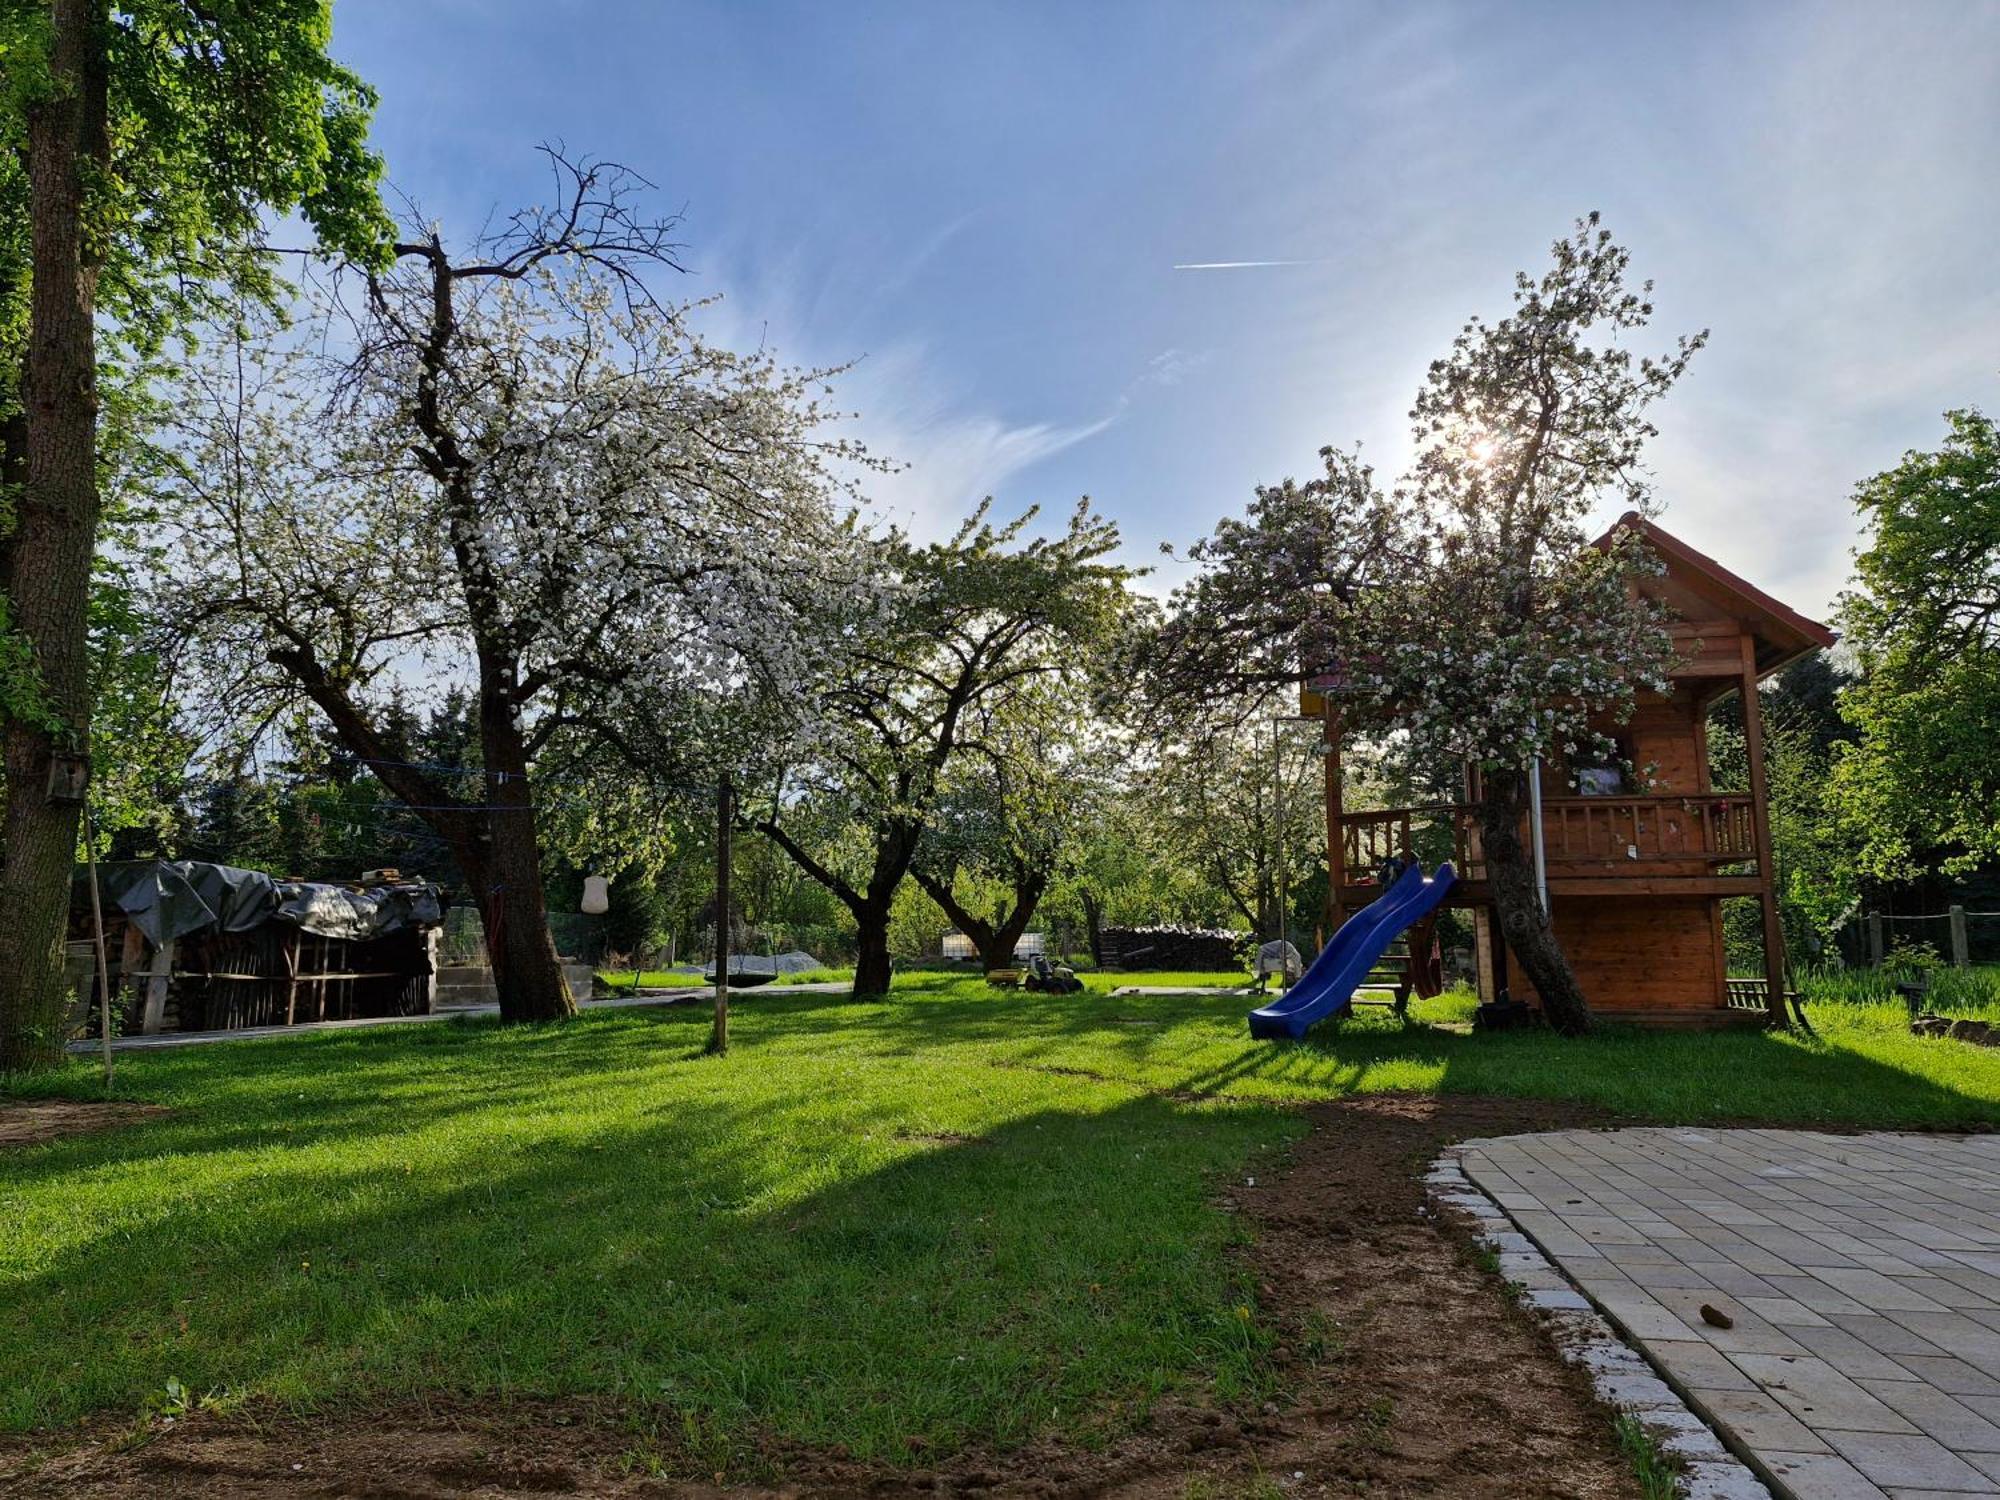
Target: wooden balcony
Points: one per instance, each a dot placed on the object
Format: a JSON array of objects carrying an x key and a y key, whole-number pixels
[{"x": 1699, "y": 845}]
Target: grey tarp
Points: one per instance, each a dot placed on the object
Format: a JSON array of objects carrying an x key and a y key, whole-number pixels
[{"x": 171, "y": 899}]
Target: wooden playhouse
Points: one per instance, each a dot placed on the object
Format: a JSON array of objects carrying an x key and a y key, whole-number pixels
[{"x": 1636, "y": 878}]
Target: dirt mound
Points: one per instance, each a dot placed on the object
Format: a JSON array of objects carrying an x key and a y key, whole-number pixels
[{"x": 1404, "y": 1370}]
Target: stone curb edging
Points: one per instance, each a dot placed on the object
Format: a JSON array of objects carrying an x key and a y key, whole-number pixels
[{"x": 1582, "y": 1335}]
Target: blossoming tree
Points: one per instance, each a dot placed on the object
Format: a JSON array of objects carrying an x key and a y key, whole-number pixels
[
  {"x": 525, "y": 477},
  {"x": 1465, "y": 616}
]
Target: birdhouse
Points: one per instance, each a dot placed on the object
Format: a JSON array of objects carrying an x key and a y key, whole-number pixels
[{"x": 69, "y": 775}]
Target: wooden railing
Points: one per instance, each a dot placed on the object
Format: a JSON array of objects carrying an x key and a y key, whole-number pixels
[
  {"x": 1439, "y": 831},
  {"x": 1717, "y": 829},
  {"x": 1714, "y": 829}
]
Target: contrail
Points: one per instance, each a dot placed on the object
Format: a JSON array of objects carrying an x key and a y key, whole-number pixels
[{"x": 1244, "y": 265}]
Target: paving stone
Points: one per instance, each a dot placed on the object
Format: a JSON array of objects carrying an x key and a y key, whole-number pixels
[
  {"x": 1950, "y": 1374},
  {"x": 1703, "y": 1481},
  {"x": 1850, "y": 1356},
  {"x": 1785, "y": 1311},
  {"x": 1890, "y": 1337},
  {"x": 1896, "y": 1458},
  {"x": 1553, "y": 1299},
  {"x": 1635, "y": 1390},
  {"x": 1860, "y": 1276},
  {"x": 1938, "y": 1415},
  {"x": 1987, "y": 1463},
  {"x": 1759, "y": 1420},
  {"x": 1874, "y": 1290},
  {"x": 1955, "y": 1333},
  {"x": 1815, "y": 1294},
  {"x": 1817, "y": 1476},
  {"x": 1701, "y": 1365},
  {"x": 1640, "y": 1316},
  {"x": 1819, "y": 1395}
]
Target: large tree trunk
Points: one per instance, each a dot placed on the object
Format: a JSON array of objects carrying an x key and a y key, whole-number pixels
[
  {"x": 895, "y": 847},
  {"x": 1093, "y": 923},
  {"x": 873, "y": 970},
  {"x": 1510, "y": 871},
  {"x": 995, "y": 941},
  {"x": 512, "y": 906},
  {"x": 47, "y": 567}
]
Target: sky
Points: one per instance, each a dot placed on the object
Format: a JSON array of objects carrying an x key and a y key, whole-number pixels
[{"x": 984, "y": 206}]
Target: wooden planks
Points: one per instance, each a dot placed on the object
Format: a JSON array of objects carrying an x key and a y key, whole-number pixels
[{"x": 1658, "y": 955}]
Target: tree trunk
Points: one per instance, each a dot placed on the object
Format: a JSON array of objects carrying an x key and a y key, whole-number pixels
[
  {"x": 995, "y": 941},
  {"x": 47, "y": 573},
  {"x": 1093, "y": 923},
  {"x": 526, "y": 971},
  {"x": 873, "y": 971},
  {"x": 895, "y": 847},
  {"x": 1510, "y": 871}
]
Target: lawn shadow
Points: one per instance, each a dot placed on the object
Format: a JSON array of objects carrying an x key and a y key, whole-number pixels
[{"x": 930, "y": 1271}]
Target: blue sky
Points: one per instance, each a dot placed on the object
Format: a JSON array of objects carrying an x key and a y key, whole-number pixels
[{"x": 985, "y": 205}]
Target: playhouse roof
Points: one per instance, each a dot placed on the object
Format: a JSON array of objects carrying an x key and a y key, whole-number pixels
[{"x": 1697, "y": 587}]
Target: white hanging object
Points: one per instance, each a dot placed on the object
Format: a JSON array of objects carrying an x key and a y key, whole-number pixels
[{"x": 596, "y": 896}]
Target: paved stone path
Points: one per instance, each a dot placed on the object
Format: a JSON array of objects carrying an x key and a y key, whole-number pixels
[{"x": 1860, "y": 1276}]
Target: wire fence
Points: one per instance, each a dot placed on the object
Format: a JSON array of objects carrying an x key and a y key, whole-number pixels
[{"x": 1958, "y": 935}]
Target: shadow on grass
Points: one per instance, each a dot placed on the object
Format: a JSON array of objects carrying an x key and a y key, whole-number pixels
[
  {"x": 1865, "y": 1070},
  {"x": 720, "y": 1241}
]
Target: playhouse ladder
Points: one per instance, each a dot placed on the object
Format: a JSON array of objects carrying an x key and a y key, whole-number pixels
[
  {"x": 1397, "y": 969},
  {"x": 1391, "y": 972}
]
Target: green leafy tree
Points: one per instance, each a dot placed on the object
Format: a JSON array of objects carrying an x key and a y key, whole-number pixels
[
  {"x": 1920, "y": 787},
  {"x": 969, "y": 625},
  {"x": 1244, "y": 810},
  {"x": 139, "y": 149},
  {"x": 1817, "y": 874},
  {"x": 1029, "y": 776}
]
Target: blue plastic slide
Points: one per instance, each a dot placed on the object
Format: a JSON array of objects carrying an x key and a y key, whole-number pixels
[{"x": 1327, "y": 986}]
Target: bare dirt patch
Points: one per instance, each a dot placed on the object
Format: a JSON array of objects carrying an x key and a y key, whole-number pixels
[
  {"x": 1404, "y": 1370},
  {"x": 29, "y": 1122}
]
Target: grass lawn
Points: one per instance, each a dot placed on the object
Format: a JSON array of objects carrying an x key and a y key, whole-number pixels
[{"x": 959, "y": 1214}]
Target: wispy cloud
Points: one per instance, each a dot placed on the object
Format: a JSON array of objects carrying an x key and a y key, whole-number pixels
[{"x": 1246, "y": 265}]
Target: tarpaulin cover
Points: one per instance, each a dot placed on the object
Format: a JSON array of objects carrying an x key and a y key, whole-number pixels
[{"x": 172, "y": 899}]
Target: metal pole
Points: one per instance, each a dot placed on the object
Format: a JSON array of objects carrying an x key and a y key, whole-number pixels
[
  {"x": 1336, "y": 848},
  {"x": 1278, "y": 822},
  {"x": 97, "y": 923},
  {"x": 719, "y": 1041},
  {"x": 1535, "y": 831}
]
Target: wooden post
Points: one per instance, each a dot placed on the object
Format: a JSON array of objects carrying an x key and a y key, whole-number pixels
[
  {"x": 719, "y": 1040},
  {"x": 291, "y": 951},
  {"x": 433, "y": 939},
  {"x": 1760, "y": 818},
  {"x": 97, "y": 931},
  {"x": 1336, "y": 846},
  {"x": 1874, "y": 940},
  {"x": 158, "y": 975},
  {"x": 1961, "y": 955}
]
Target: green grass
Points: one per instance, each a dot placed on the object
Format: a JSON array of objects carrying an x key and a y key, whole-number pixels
[
  {"x": 1973, "y": 991},
  {"x": 959, "y": 1215}
]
